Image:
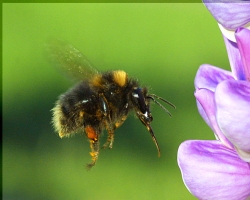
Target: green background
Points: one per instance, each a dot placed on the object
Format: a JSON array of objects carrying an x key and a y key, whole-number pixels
[{"x": 160, "y": 44}]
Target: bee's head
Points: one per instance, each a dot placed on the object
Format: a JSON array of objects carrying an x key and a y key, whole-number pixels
[{"x": 141, "y": 102}]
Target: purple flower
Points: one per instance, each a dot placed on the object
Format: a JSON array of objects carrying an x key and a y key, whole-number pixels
[
  {"x": 212, "y": 171},
  {"x": 228, "y": 14},
  {"x": 220, "y": 169}
]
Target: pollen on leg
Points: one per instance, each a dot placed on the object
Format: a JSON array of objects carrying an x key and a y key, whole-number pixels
[
  {"x": 91, "y": 133},
  {"x": 120, "y": 77}
]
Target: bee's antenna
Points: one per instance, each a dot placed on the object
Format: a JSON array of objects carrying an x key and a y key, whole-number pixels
[
  {"x": 169, "y": 103},
  {"x": 151, "y": 96}
]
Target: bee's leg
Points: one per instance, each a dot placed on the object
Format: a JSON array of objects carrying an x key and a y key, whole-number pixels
[
  {"x": 110, "y": 139},
  {"x": 94, "y": 145},
  {"x": 111, "y": 131},
  {"x": 120, "y": 122}
]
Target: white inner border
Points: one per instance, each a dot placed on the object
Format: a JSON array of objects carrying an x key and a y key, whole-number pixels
[{"x": 229, "y": 34}]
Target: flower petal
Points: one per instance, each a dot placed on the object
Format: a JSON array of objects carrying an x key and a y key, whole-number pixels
[
  {"x": 233, "y": 113},
  {"x": 207, "y": 109},
  {"x": 230, "y": 15},
  {"x": 209, "y": 77},
  {"x": 235, "y": 59},
  {"x": 212, "y": 171},
  {"x": 243, "y": 40}
]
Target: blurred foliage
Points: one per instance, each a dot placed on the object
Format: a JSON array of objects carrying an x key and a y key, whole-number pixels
[{"x": 160, "y": 44}]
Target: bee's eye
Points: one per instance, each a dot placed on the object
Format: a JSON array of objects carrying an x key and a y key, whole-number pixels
[{"x": 139, "y": 100}]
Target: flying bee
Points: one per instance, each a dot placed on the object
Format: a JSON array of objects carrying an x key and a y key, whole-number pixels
[{"x": 101, "y": 100}]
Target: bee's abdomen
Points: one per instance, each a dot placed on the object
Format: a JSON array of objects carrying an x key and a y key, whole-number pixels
[{"x": 68, "y": 112}]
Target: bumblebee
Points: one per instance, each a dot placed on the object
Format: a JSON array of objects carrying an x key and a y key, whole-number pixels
[{"x": 101, "y": 100}]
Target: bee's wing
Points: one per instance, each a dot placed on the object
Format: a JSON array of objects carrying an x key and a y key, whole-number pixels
[{"x": 69, "y": 60}]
